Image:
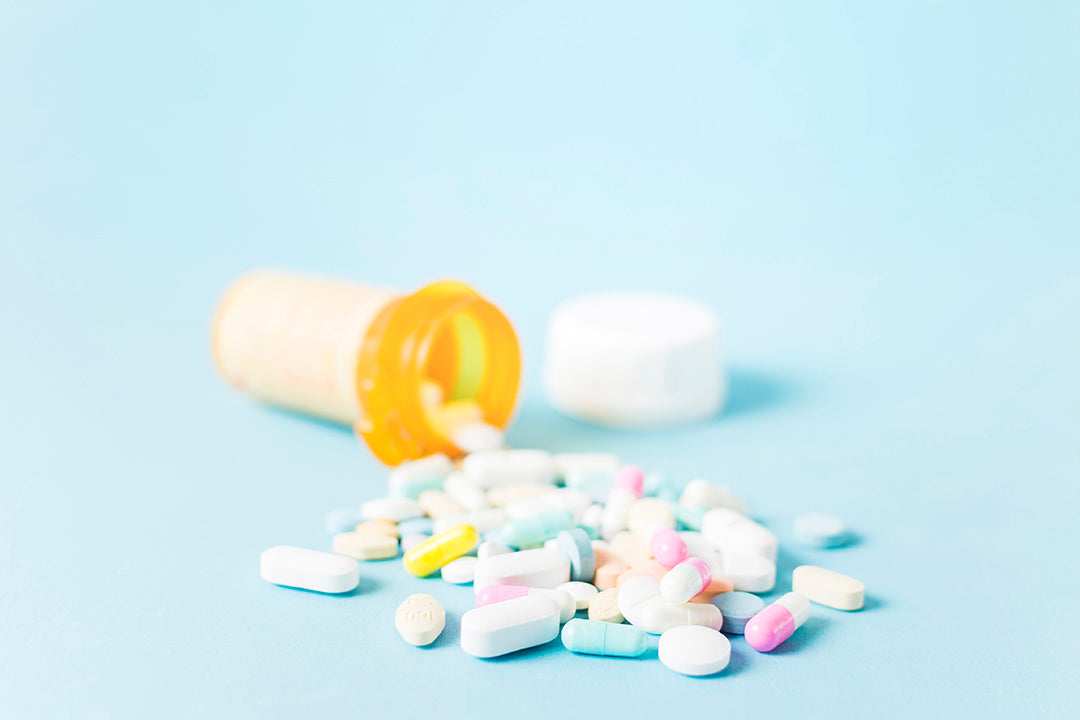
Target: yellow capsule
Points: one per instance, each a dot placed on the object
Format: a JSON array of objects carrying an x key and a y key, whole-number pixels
[{"x": 438, "y": 550}]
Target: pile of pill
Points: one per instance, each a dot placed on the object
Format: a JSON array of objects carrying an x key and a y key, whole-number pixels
[{"x": 545, "y": 537}]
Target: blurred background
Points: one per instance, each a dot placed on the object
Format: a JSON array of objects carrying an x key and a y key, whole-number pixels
[{"x": 880, "y": 200}]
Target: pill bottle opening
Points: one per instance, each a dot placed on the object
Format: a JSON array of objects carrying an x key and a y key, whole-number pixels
[{"x": 445, "y": 334}]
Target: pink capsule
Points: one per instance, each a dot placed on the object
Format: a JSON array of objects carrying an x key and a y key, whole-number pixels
[
  {"x": 685, "y": 580},
  {"x": 667, "y": 547},
  {"x": 777, "y": 622},
  {"x": 630, "y": 477}
]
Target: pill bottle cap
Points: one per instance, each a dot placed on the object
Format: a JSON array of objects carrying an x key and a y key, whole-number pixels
[{"x": 634, "y": 359}]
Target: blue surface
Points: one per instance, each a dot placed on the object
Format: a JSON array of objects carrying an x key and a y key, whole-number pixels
[{"x": 880, "y": 199}]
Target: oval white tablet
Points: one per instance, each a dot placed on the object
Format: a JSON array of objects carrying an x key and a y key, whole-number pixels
[
  {"x": 309, "y": 569},
  {"x": 420, "y": 619},
  {"x": 504, "y": 627},
  {"x": 539, "y": 567},
  {"x": 694, "y": 650},
  {"x": 828, "y": 588},
  {"x": 460, "y": 571}
]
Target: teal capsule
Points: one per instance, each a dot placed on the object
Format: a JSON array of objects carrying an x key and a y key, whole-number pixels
[
  {"x": 689, "y": 518},
  {"x": 596, "y": 637},
  {"x": 530, "y": 531}
]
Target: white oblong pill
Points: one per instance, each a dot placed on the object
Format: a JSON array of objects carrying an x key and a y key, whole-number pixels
[
  {"x": 366, "y": 545},
  {"x": 828, "y": 588},
  {"x": 511, "y": 494},
  {"x": 491, "y": 468},
  {"x": 393, "y": 509},
  {"x": 309, "y": 569},
  {"x": 576, "y": 501},
  {"x": 460, "y": 571},
  {"x": 539, "y": 567},
  {"x": 503, "y": 627},
  {"x": 635, "y": 594},
  {"x": 732, "y": 531},
  {"x": 657, "y": 616},
  {"x": 420, "y": 619},
  {"x": 694, "y": 650},
  {"x": 582, "y": 592}
]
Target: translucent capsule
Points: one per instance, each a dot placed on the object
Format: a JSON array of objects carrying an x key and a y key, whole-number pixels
[
  {"x": 595, "y": 637},
  {"x": 438, "y": 550}
]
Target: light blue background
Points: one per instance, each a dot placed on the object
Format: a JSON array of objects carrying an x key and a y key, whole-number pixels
[{"x": 882, "y": 201}]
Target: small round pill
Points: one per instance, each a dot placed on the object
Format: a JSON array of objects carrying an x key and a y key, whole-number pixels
[
  {"x": 694, "y": 650},
  {"x": 737, "y": 609},
  {"x": 820, "y": 530}
]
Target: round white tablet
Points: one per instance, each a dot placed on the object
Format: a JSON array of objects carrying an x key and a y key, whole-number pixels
[
  {"x": 460, "y": 571},
  {"x": 420, "y": 619},
  {"x": 694, "y": 650},
  {"x": 582, "y": 592}
]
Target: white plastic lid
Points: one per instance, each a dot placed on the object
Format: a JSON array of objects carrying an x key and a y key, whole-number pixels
[{"x": 634, "y": 359}]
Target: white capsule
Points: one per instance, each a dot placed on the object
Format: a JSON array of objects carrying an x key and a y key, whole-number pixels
[
  {"x": 703, "y": 494},
  {"x": 491, "y": 468},
  {"x": 531, "y": 568},
  {"x": 465, "y": 491},
  {"x": 504, "y": 627},
  {"x": 732, "y": 531}
]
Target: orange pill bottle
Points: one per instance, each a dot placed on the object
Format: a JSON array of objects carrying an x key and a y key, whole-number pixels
[{"x": 367, "y": 356}]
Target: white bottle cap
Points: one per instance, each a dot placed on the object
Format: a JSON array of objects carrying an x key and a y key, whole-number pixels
[{"x": 634, "y": 359}]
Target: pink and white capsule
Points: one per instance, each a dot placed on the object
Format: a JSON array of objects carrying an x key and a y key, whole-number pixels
[
  {"x": 630, "y": 477},
  {"x": 777, "y": 622},
  {"x": 685, "y": 580},
  {"x": 501, "y": 593},
  {"x": 667, "y": 547}
]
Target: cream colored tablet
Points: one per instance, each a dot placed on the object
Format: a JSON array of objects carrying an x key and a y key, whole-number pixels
[
  {"x": 828, "y": 588},
  {"x": 420, "y": 619}
]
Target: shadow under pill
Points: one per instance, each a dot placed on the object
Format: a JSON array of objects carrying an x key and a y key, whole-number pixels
[{"x": 449, "y": 636}]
